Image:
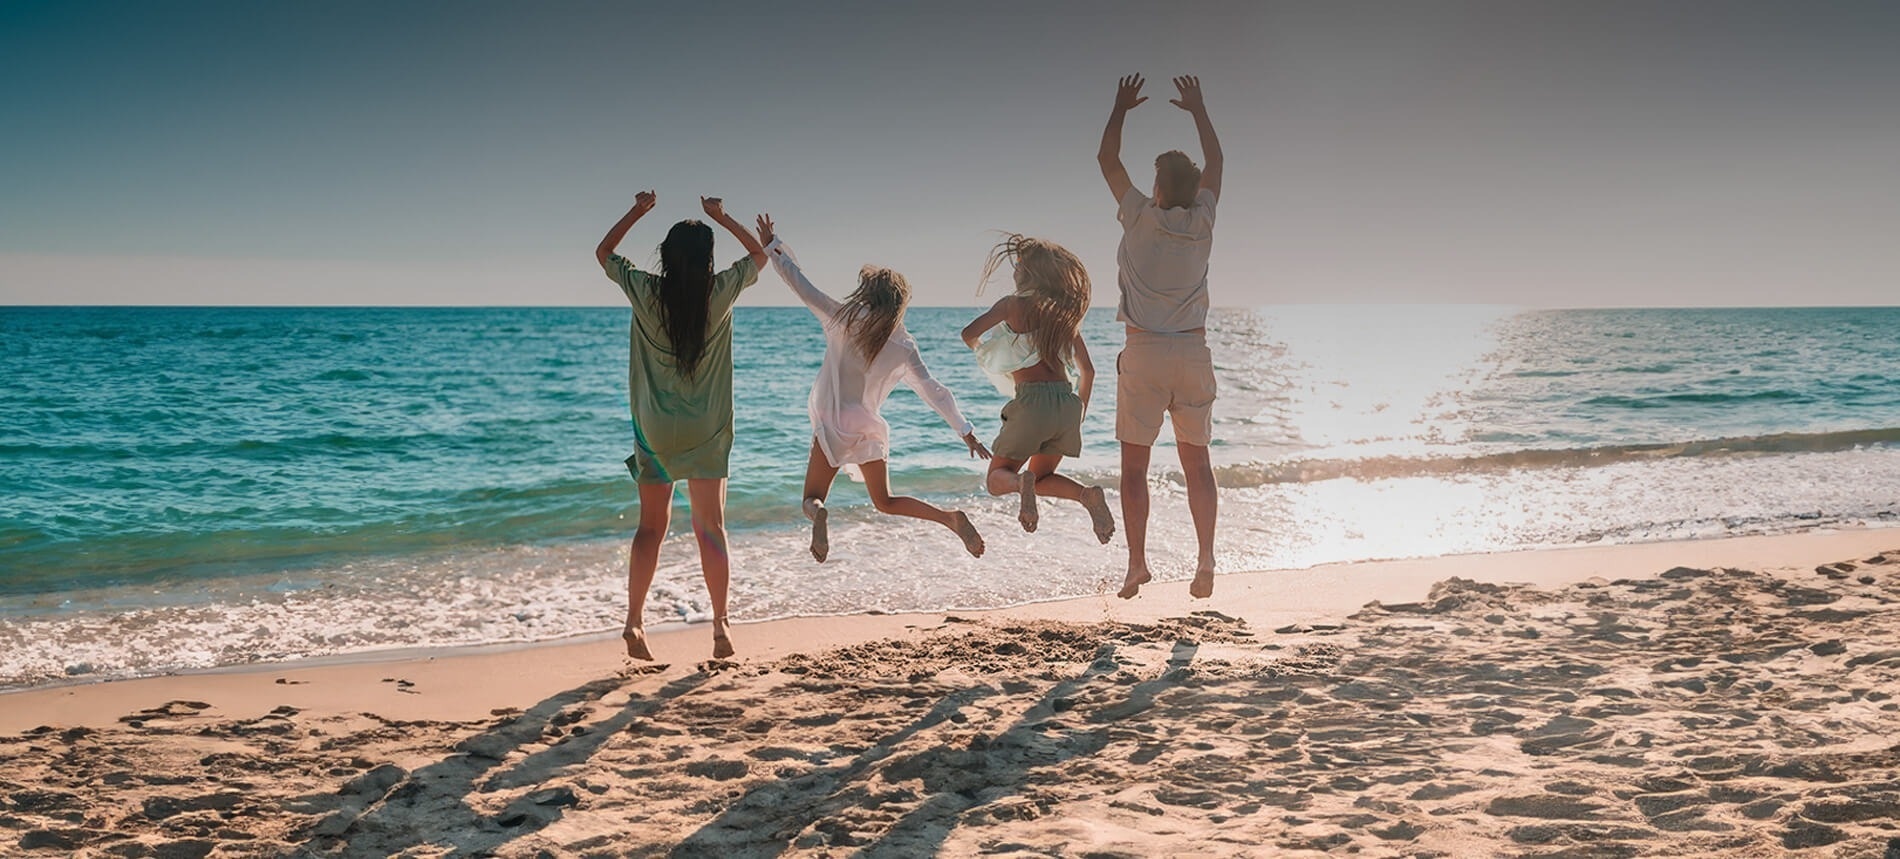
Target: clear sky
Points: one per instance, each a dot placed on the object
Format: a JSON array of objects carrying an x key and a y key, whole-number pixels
[{"x": 1535, "y": 153}]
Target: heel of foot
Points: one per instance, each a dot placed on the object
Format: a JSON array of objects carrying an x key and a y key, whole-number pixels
[
  {"x": 966, "y": 531},
  {"x": 820, "y": 530},
  {"x": 1026, "y": 488},
  {"x": 636, "y": 640},
  {"x": 1131, "y": 586},
  {"x": 1103, "y": 521}
]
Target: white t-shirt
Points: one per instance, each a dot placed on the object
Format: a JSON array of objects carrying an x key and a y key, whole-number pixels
[{"x": 1162, "y": 263}]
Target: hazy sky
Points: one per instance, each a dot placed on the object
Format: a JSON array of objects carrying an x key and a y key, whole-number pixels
[{"x": 1554, "y": 154}]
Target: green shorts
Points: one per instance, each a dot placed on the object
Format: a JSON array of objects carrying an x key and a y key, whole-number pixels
[{"x": 1045, "y": 418}]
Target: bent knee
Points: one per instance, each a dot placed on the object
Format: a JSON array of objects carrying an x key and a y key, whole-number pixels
[{"x": 1001, "y": 482}]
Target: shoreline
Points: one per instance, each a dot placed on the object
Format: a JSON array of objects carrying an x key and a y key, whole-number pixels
[
  {"x": 447, "y": 682},
  {"x": 1727, "y": 698}
]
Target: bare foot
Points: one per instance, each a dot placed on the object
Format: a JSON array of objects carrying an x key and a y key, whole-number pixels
[
  {"x": 722, "y": 638},
  {"x": 1097, "y": 503},
  {"x": 1026, "y": 487},
  {"x": 636, "y": 639},
  {"x": 1137, "y": 576},
  {"x": 820, "y": 534},
  {"x": 630, "y": 668},
  {"x": 966, "y": 530},
  {"x": 1203, "y": 585}
]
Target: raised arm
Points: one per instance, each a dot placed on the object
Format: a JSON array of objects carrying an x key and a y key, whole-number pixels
[
  {"x": 715, "y": 209},
  {"x": 1190, "y": 101},
  {"x": 1085, "y": 369},
  {"x": 973, "y": 332},
  {"x": 786, "y": 264},
  {"x": 917, "y": 376},
  {"x": 1127, "y": 95},
  {"x": 642, "y": 203}
]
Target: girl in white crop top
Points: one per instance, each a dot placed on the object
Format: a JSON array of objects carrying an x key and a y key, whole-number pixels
[
  {"x": 1027, "y": 343},
  {"x": 867, "y": 352}
]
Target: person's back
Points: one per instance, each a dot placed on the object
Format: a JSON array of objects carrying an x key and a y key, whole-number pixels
[
  {"x": 1161, "y": 265},
  {"x": 679, "y": 388},
  {"x": 1165, "y": 368},
  {"x": 1026, "y": 342},
  {"x": 867, "y": 352},
  {"x": 673, "y": 406}
]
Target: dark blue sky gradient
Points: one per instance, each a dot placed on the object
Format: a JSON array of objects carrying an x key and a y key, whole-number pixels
[{"x": 1606, "y": 153}]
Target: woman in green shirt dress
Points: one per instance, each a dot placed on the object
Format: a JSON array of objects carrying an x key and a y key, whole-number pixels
[{"x": 679, "y": 384}]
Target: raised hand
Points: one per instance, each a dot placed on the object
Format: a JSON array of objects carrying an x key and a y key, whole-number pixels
[
  {"x": 645, "y": 200},
  {"x": 1190, "y": 100},
  {"x": 1128, "y": 92},
  {"x": 714, "y": 207},
  {"x": 765, "y": 229}
]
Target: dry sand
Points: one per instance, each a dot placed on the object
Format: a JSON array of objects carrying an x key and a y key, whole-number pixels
[{"x": 1708, "y": 698}]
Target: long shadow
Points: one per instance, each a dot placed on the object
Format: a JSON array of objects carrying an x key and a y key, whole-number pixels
[
  {"x": 1013, "y": 755},
  {"x": 390, "y": 813},
  {"x": 780, "y": 806}
]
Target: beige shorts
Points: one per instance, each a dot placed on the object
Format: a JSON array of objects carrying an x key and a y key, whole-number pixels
[
  {"x": 1044, "y": 418},
  {"x": 1165, "y": 373}
]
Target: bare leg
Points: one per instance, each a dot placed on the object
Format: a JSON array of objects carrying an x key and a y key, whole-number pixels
[
  {"x": 1003, "y": 480},
  {"x": 877, "y": 482},
  {"x": 708, "y": 498},
  {"x": 1135, "y": 516},
  {"x": 1049, "y": 483},
  {"x": 656, "y": 511},
  {"x": 1026, "y": 512},
  {"x": 819, "y": 473},
  {"x": 1203, "y": 505}
]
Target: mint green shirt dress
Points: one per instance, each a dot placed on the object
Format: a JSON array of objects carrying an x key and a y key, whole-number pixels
[{"x": 682, "y": 425}]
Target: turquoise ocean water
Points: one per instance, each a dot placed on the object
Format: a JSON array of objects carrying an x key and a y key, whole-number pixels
[{"x": 193, "y": 487}]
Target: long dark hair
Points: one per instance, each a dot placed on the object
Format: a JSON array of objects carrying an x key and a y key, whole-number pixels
[
  {"x": 872, "y": 312},
  {"x": 685, "y": 297}
]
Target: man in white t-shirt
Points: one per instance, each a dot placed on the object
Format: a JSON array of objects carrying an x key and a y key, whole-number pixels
[{"x": 1166, "y": 367}]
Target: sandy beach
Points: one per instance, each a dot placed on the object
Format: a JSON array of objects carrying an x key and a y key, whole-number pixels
[{"x": 1723, "y": 697}]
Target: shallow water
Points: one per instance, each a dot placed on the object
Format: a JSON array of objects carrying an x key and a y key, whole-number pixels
[{"x": 188, "y": 487}]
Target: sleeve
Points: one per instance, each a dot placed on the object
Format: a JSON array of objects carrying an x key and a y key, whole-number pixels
[
  {"x": 917, "y": 376},
  {"x": 632, "y": 281},
  {"x": 1132, "y": 204},
  {"x": 786, "y": 264},
  {"x": 729, "y": 283},
  {"x": 1204, "y": 203}
]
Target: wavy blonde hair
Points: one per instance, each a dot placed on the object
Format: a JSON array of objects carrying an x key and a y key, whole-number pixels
[
  {"x": 1053, "y": 282},
  {"x": 872, "y": 312}
]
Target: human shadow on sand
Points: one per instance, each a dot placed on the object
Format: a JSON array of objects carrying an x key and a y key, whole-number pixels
[
  {"x": 787, "y": 807},
  {"x": 386, "y": 811},
  {"x": 960, "y": 780},
  {"x": 956, "y": 780}
]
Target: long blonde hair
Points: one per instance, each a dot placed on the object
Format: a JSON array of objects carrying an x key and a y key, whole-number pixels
[
  {"x": 1054, "y": 283},
  {"x": 872, "y": 312}
]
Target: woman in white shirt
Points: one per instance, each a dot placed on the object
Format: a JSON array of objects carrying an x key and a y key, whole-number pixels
[{"x": 867, "y": 352}]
